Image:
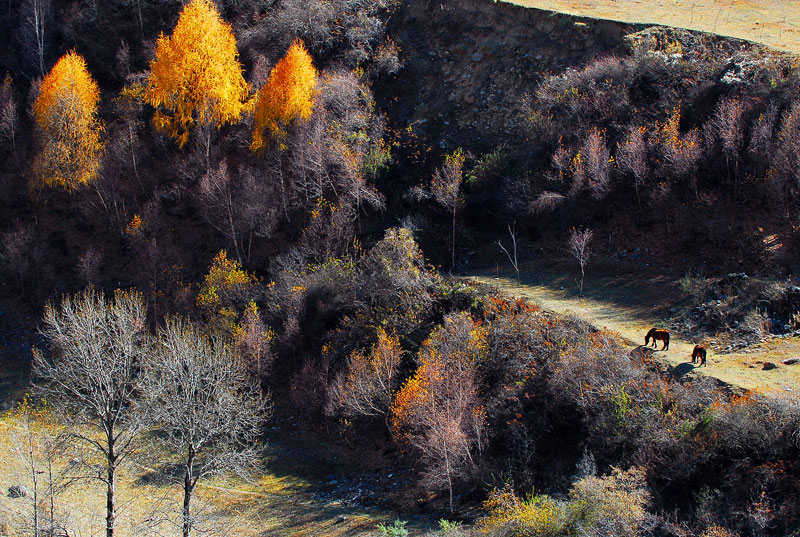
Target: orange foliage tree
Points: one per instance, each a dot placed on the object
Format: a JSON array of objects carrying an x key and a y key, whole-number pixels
[
  {"x": 288, "y": 94},
  {"x": 66, "y": 113},
  {"x": 437, "y": 410},
  {"x": 196, "y": 76}
]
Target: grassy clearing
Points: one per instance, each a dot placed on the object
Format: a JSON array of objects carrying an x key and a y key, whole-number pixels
[
  {"x": 630, "y": 305},
  {"x": 277, "y": 503},
  {"x": 773, "y": 23}
]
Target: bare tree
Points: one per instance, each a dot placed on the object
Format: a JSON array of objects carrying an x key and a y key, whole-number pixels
[
  {"x": 36, "y": 442},
  {"x": 236, "y": 207},
  {"x": 596, "y": 161},
  {"x": 579, "y": 248},
  {"x": 91, "y": 374},
  {"x": 204, "y": 401},
  {"x": 513, "y": 232},
  {"x": 632, "y": 157},
  {"x": 786, "y": 158},
  {"x": 36, "y": 14},
  {"x": 728, "y": 124},
  {"x": 446, "y": 190},
  {"x": 8, "y": 113}
]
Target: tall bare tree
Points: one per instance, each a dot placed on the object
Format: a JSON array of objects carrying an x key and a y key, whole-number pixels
[
  {"x": 632, "y": 157},
  {"x": 238, "y": 207},
  {"x": 36, "y": 14},
  {"x": 205, "y": 402},
  {"x": 8, "y": 113},
  {"x": 579, "y": 248},
  {"x": 91, "y": 374}
]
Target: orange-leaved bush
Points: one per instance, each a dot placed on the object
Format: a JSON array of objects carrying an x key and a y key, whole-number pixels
[
  {"x": 66, "y": 112},
  {"x": 196, "y": 76},
  {"x": 288, "y": 94}
]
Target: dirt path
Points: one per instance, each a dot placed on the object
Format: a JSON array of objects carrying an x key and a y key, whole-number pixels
[
  {"x": 631, "y": 306},
  {"x": 771, "y": 22}
]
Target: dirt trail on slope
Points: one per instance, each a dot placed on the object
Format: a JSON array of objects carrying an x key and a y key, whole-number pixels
[
  {"x": 770, "y": 22},
  {"x": 631, "y": 306}
]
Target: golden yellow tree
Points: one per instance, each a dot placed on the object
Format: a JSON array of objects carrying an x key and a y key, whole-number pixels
[
  {"x": 287, "y": 94},
  {"x": 66, "y": 112},
  {"x": 196, "y": 76}
]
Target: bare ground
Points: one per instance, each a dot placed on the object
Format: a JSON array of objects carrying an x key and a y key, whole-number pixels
[{"x": 775, "y": 23}]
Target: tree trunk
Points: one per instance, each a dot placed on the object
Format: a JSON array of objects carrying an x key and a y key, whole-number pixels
[
  {"x": 188, "y": 485},
  {"x": 51, "y": 492},
  {"x": 111, "y": 499},
  {"x": 35, "y": 477},
  {"x": 453, "y": 241}
]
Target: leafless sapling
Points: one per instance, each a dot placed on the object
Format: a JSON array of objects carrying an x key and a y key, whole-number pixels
[
  {"x": 579, "y": 248},
  {"x": 512, "y": 230}
]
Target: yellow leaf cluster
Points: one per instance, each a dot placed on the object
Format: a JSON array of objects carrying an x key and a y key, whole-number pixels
[
  {"x": 287, "y": 94},
  {"x": 196, "y": 76},
  {"x": 226, "y": 276},
  {"x": 66, "y": 112}
]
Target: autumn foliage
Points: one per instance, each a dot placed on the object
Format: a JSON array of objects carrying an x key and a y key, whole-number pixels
[
  {"x": 288, "y": 94},
  {"x": 66, "y": 113},
  {"x": 223, "y": 293},
  {"x": 196, "y": 77},
  {"x": 366, "y": 388},
  {"x": 438, "y": 410}
]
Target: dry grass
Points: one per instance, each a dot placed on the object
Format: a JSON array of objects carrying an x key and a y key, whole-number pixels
[
  {"x": 775, "y": 23},
  {"x": 631, "y": 306},
  {"x": 276, "y": 504}
]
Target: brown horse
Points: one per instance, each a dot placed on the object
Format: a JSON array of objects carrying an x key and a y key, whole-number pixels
[
  {"x": 658, "y": 334},
  {"x": 699, "y": 355}
]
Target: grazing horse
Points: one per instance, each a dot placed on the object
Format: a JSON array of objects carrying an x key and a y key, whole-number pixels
[
  {"x": 699, "y": 355},
  {"x": 657, "y": 334}
]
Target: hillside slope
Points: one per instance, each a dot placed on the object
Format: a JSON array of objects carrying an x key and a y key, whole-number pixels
[{"x": 762, "y": 21}]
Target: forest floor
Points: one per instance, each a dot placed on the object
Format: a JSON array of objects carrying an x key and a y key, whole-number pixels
[
  {"x": 775, "y": 23},
  {"x": 630, "y": 303}
]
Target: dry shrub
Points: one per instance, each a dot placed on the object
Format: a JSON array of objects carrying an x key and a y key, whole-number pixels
[
  {"x": 613, "y": 504},
  {"x": 759, "y": 426},
  {"x": 717, "y": 531}
]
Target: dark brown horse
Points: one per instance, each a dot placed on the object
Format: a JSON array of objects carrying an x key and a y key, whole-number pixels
[
  {"x": 658, "y": 334},
  {"x": 699, "y": 355}
]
